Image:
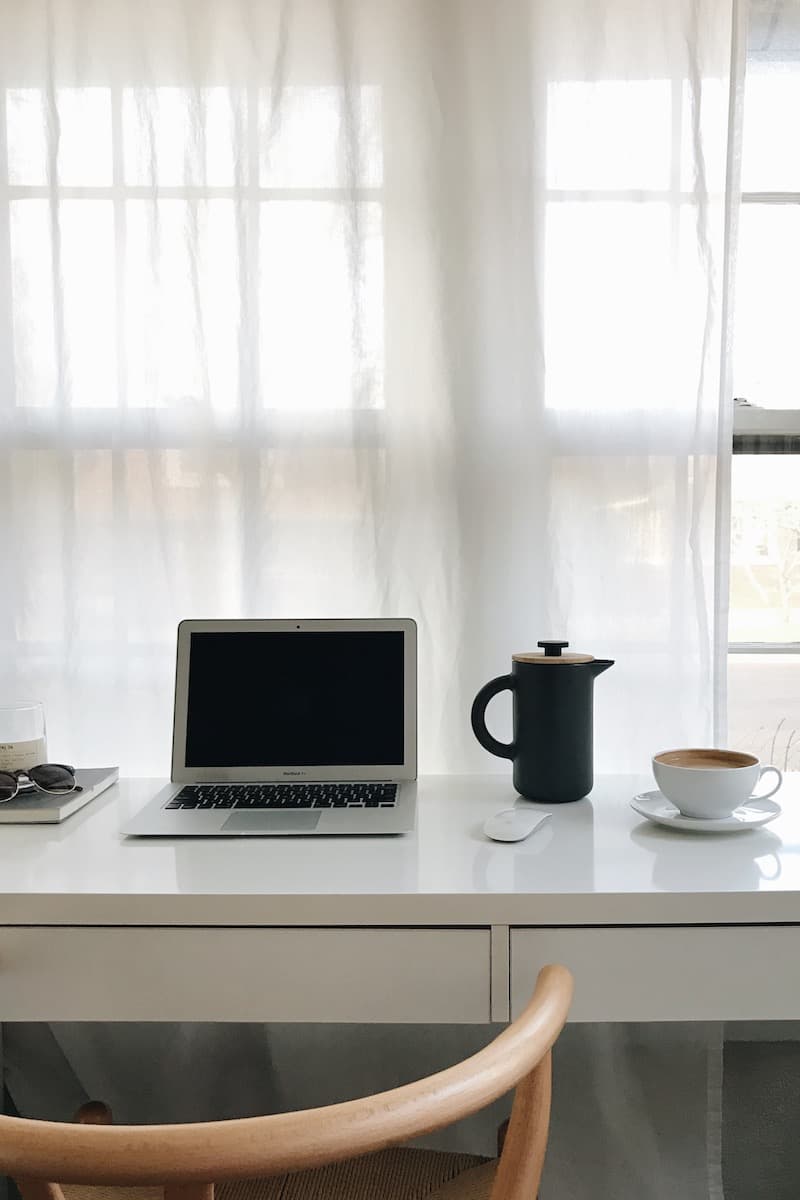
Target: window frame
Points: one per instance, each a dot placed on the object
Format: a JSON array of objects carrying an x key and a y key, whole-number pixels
[
  {"x": 133, "y": 427},
  {"x": 757, "y": 428}
]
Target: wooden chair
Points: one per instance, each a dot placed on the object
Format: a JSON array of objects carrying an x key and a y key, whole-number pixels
[{"x": 301, "y": 1155}]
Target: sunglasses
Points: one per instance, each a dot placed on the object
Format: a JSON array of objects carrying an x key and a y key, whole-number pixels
[{"x": 53, "y": 778}]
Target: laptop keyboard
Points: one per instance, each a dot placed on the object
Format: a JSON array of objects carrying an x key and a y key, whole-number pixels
[{"x": 285, "y": 795}]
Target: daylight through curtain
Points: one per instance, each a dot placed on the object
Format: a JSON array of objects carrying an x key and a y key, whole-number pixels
[
  {"x": 369, "y": 307},
  {"x": 361, "y": 309}
]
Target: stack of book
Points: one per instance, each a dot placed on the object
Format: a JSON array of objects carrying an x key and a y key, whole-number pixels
[{"x": 33, "y": 807}]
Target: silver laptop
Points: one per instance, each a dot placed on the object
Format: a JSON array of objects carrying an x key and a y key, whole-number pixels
[{"x": 291, "y": 727}]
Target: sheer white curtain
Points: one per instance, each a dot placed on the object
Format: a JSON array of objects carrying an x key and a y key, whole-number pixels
[
  {"x": 364, "y": 307},
  {"x": 361, "y": 308}
]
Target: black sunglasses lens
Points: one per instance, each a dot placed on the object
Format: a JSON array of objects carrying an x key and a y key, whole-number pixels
[
  {"x": 8, "y": 786},
  {"x": 52, "y": 778}
]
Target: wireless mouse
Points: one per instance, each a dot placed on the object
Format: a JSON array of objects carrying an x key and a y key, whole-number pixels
[{"x": 514, "y": 824}]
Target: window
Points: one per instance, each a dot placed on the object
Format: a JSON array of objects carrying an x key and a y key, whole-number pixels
[
  {"x": 205, "y": 211},
  {"x": 187, "y": 275},
  {"x": 619, "y": 173},
  {"x": 764, "y": 665}
]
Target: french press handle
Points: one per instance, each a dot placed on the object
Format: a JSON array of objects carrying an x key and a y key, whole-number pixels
[{"x": 478, "y": 716}]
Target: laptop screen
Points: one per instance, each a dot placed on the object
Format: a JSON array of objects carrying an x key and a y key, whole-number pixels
[{"x": 332, "y": 698}]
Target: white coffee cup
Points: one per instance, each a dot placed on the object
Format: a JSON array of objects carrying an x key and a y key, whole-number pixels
[{"x": 710, "y": 783}]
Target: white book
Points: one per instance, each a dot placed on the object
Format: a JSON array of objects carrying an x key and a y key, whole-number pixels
[{"x": 35, "y": 807}]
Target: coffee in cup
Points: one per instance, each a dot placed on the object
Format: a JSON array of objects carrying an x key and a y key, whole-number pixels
[{"x": 710, "y": 784}]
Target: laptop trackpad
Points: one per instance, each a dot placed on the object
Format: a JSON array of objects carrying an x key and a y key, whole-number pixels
[{"x": 271, "y": 822}]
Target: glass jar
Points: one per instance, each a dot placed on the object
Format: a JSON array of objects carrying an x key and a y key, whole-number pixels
[{"x": 23, "y": 740}]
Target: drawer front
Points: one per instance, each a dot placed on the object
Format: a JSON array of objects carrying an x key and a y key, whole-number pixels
[
  {"x": 156, "y": 974},
  {"x": 693, "y": 973}
]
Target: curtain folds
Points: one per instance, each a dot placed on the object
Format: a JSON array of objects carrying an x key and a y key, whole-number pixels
[
  {"x": 354, "y": 308},
  {"x": 345, "y": 307}
]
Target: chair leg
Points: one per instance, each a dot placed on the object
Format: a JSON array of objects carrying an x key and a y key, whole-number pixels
[
  {"x": 519, "y": 1169},
  {"x": 93, "y": 1112},
  {"x": 189, "y": 1191},
  {"x": 37, "y": 1189}
]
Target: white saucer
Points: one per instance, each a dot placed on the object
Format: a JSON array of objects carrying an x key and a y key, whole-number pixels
[{"x": 656, "y": 807}]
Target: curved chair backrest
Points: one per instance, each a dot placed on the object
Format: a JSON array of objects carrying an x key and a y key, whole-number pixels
[{"x": 187, "y": 1158}]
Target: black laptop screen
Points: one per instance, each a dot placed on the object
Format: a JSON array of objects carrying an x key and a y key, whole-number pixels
[{"x": 295, "y": 699}]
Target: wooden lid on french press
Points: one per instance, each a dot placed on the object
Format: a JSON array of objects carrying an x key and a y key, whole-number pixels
[{"x": 551, "y": 653}]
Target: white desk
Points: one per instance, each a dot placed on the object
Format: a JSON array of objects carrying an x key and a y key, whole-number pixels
[{"x": 439, "y": 926}]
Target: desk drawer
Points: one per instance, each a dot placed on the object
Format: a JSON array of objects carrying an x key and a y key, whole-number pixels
[
  {"x": 692, "y": 973},
  {"x": 155, "y": 974}
]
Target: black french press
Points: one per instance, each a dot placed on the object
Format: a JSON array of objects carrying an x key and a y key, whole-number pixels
[{"x": 552, "y": 744}]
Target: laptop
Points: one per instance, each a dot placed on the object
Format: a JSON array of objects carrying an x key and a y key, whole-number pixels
[{"x": 290, "y": 727}]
